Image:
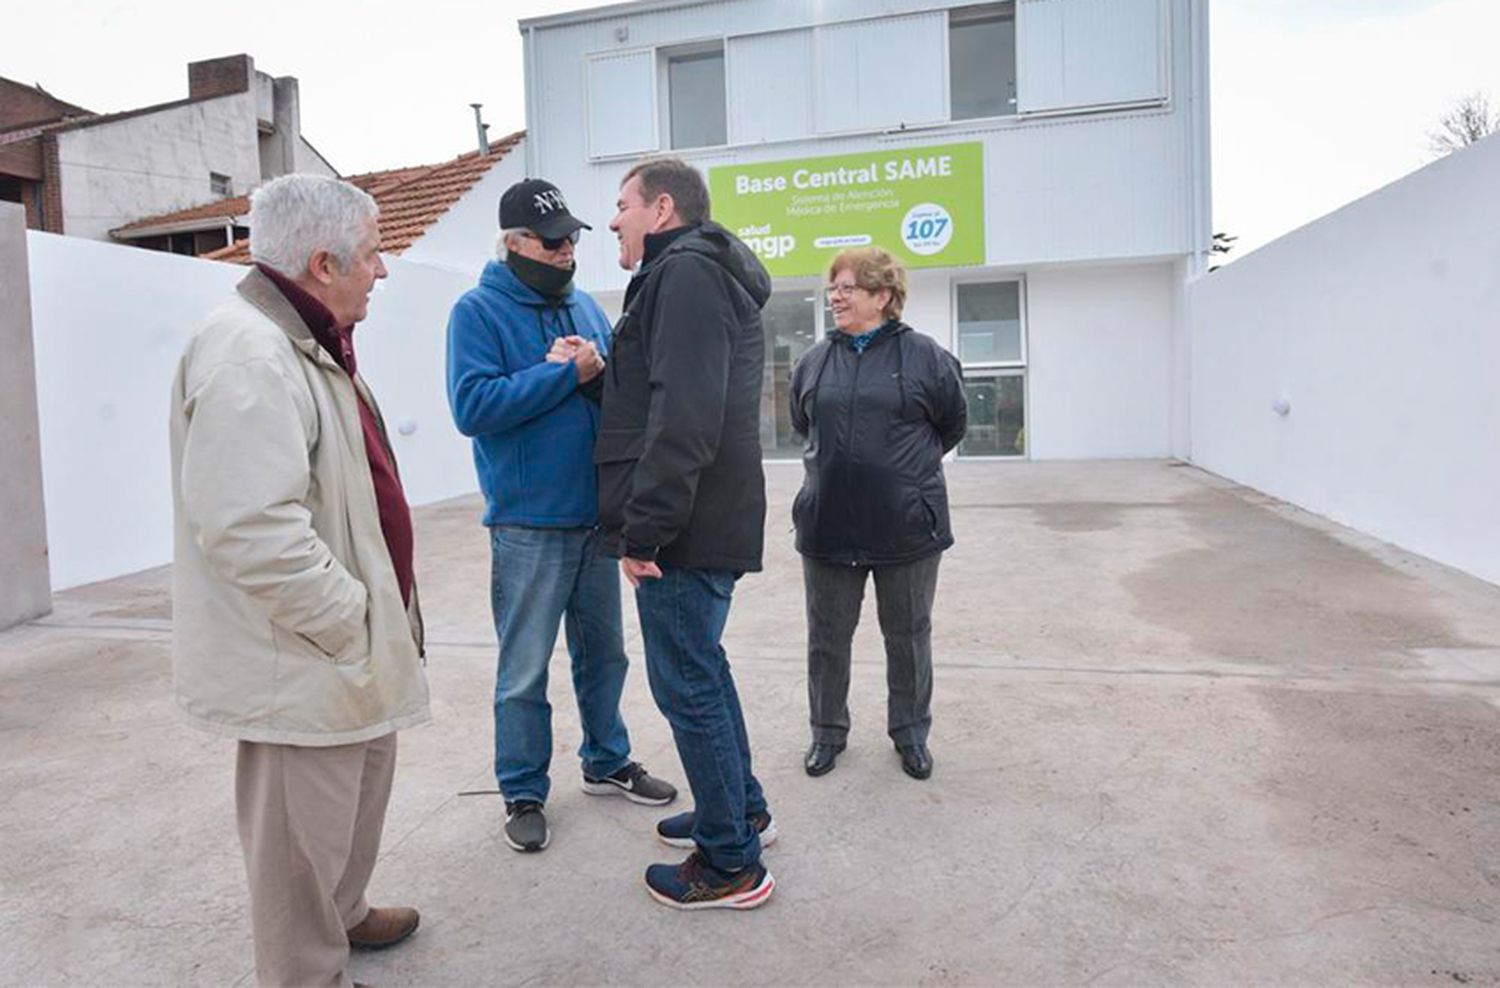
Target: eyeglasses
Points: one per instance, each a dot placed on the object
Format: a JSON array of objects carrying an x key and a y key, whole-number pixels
[
  {"x": 552, "y": 243},
  {"x": 842, "y": 291}
]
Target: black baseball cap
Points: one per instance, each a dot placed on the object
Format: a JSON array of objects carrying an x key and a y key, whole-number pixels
[{"x": 535, "y": 204}]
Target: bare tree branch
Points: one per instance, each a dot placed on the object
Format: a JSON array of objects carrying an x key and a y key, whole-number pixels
[
  {"x": 1223, "y": 243},
  {"x": 1471, "y": 119}
]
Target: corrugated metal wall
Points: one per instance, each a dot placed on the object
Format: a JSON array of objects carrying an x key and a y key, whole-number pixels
[
  {"x": 1108, "y": 185},
  {"x": 620, "y": 121},
  {"x": 770, "y": 86},
  {"x": 878, "y": 74},
  {"x": 1078, "y": 53}
]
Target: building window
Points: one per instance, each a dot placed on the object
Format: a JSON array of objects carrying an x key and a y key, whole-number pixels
[
  {"x": 982, "y": 61},
  {"x": 793, "y": 319},
  {"x": 989, "y": 323},
  {"x": 696, "y": 110},
  {"x": 997, "y": 419},
  {"x": 220, "y": 185},
  {"x": 992, "y": 348}
]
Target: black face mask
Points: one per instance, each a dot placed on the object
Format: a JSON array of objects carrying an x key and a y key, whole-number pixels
[{"x": 545, "y": 279}]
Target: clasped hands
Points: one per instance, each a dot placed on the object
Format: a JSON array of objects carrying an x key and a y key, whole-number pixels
[
  {"x": 586, "y": 356},
  {"x": 580, "y": 352}
]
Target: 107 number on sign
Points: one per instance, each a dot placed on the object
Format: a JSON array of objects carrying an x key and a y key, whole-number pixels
[{"x": 926, "y": 228}]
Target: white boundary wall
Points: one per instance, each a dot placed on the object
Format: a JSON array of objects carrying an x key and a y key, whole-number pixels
[
  {"x": 110, "y": 323},
  {"x": 1101, "y": 372},
  {"x": 1380, "y": 324}
]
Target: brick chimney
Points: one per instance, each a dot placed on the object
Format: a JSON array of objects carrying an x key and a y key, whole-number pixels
[{"x": 220, "y": 76}]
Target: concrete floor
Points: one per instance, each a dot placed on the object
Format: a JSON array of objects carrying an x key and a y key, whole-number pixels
[{"x": 1183, "y": 734}]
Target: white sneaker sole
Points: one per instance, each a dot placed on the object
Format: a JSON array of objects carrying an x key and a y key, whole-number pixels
[
  {"x": 767, "y": 838},
  {"x": 749, "y": 899},
  {"x": 614, "y": 789}
]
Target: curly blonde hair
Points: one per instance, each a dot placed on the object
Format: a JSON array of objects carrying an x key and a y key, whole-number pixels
[{"x": 874, "y": 270}]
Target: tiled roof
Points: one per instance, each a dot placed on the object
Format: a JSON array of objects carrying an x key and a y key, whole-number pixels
[
  {"x": 410, "y": 199},
  {"x": 217, "y": 210}
]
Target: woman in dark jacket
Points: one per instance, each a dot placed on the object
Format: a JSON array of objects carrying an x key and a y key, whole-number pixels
[{"x": 879, "y": 405}]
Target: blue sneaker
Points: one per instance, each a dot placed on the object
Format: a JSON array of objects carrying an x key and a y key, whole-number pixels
[
  {"x": 696, "y": 884},
  {"x": 677, "y": 831}
]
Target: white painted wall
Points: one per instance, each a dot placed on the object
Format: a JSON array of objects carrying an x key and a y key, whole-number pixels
[
  {"x": 110, "y": 323},
  {"x": 311, "y": 162},
  {"x": 155, "y": 163},
  {"x": 929, "y": 307},
  {"x": 463, "y": 238},
  {"x": 402, "y": 354},
  {"x": 1100, "y": 352},
  {"x": 1181, "y": 400},
  {"x": 1381, "y": 324},
  {"x": 1098, "y": 346}
]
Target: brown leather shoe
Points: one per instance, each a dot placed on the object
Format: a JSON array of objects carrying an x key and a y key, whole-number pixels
[{"x": 384, "y": 927}]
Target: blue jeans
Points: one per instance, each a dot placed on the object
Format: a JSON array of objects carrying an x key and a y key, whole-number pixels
[
  {"x": 538, "y": 577},
  {"x": 682, "y": 620}
]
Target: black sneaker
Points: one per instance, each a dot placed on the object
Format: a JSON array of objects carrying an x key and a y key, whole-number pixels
[
  {"x": 677, "y": 831},
  {"x": 634, "y": 783},
  {"x": 526, "y": 826},
  {"x": 696, "y": 884}
]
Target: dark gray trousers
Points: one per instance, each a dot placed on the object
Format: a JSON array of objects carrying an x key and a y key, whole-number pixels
[{"x": 903, "y": 601}]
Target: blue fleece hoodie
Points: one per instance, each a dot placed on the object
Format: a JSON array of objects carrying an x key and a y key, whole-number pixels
[{"x": 533, "y": 429}]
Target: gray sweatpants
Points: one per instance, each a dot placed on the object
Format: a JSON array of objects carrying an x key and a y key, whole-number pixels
[
  {"x": 310, "y": 821},
  {"x": 903, "y": 600}
]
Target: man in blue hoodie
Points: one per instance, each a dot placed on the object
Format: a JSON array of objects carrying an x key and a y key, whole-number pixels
[{"x": 533, "y": 421}]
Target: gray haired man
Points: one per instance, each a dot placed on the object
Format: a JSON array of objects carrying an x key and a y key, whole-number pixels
[{"x": 296, "y": 628}]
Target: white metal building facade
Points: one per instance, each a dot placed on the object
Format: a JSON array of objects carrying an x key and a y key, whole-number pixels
[{"x": 1093, "y": 120}]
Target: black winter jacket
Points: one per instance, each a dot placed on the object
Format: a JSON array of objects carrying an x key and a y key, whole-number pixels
[
  {"x": 678, "y": 451},
  {"x": 877, "y": 425}
]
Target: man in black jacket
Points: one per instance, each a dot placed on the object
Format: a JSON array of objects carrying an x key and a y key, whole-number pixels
[{"x": 682, "y": 501}]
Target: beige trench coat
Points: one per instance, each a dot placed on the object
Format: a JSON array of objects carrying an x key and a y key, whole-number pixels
[{"x": 287, "y": 618}]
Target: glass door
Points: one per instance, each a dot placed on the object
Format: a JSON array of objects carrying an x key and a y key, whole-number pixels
[
  {"x": 991, "y": 340},
  {"x": 793, "y": 319}
]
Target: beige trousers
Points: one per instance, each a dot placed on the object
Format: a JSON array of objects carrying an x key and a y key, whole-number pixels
[{"x": 310, "y": 822}]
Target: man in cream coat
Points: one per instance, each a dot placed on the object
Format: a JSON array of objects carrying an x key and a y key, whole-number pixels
[{"x": 296, "y": 625}]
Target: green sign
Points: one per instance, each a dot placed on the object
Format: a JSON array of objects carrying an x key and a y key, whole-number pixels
[{"x": 923, "y": 204}]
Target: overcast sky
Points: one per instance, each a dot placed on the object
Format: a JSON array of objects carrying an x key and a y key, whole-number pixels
[{"x": 1315, "y": 102}]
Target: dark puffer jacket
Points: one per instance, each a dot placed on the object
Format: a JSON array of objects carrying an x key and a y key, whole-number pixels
[
  {"x": 877, "y": 425},
  {"x": 680, "y": 477}
]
